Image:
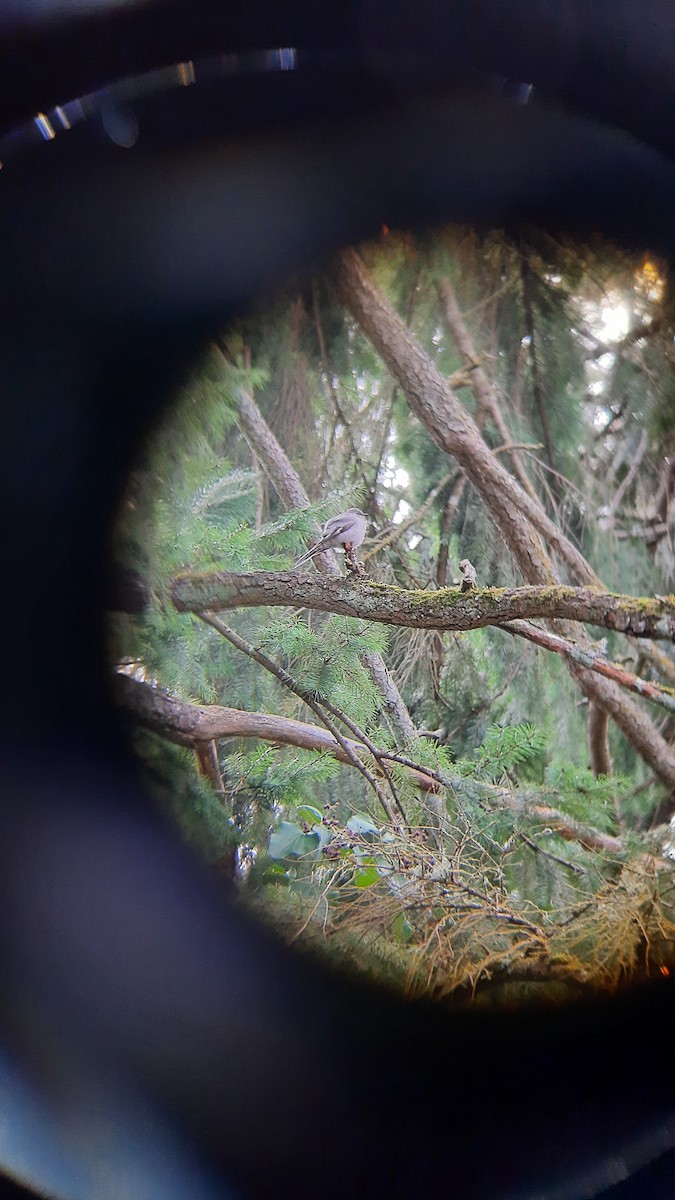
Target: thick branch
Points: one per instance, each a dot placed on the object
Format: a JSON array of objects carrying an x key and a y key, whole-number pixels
[
  {"x": 515, "y": 514},
  {"x": 436, "y": 406},
  {"x": 191, "y": 724},
  {"x": 277, "y": 466},
  {"x": 445, "y": 608},
  {"x": 194, "y": 724},
  {"x": 319, "y": 708}
]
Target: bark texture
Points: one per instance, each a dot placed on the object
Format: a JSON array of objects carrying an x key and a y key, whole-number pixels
[
  {"x": 597, "y": 728},
  {"x": 434, "y": 403},
  {"x": 197, "y": 726},
  {"x": 445, "y": 608}
]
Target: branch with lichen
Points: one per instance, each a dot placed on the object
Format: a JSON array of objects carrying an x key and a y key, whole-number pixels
[{"x": 444, "y": 608}]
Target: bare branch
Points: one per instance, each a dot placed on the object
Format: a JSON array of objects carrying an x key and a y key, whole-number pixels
[
  {"x": 592, "y": 662},
  {"x": 192, "y": 724},
  {"x": 396, "y": 531},
  {"x": 290, "y": 490},
  {"x": 627, "y": 481},
  {"x": 430, "y": 398},
  {"x": 528, "y": 531},
  {"x": 478, "y": 381},
  {"x": 318, "y": 708}
]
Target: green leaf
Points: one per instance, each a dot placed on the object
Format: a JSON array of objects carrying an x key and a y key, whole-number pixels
[
  {"x": 290, "y": 841},
  {"x": 310, "y": 814},
  {"x": 365, "y": 877},
  {"x": 362, "y": 825},
  {"x": 401, "y": 928}
]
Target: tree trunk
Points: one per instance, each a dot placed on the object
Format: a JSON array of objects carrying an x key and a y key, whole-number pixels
[{"x": 434, "y": 403}]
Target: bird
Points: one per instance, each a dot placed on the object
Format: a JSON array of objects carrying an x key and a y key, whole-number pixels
[
  {"x": 347, "y": 529},
  {"x": 468, "y": 575}
]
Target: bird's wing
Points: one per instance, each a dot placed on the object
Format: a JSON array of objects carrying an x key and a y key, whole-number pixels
[
  {"x": 336, "y": 527},
  {"x": 333, "y": 532}
]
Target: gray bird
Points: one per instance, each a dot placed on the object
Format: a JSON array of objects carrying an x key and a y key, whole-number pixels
[{"x": 347, "y": 529}]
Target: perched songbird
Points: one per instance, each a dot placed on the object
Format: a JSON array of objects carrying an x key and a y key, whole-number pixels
[
  {"x": 347, "y": 529},
  {"x": 468, "y": 575}
]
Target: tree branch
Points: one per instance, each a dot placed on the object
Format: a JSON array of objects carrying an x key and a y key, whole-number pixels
[
  {"x": 192, "y": 724},
  {"x": 479, "y": 382},
  {"x": 434, "y": 403},
  {"x": 593, "y": 662},
  {"x": 397, "y": 531},
  {"x": 315, "y": 706},
  {"x": 513, "y": 511},
  {"x": 445, "y": 608}
]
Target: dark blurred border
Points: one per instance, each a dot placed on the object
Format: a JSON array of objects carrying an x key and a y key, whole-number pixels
[{"x": 131, "y": 988}]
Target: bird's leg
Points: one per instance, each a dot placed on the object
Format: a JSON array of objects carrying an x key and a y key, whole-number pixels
[{"x": 351, "y": 562}]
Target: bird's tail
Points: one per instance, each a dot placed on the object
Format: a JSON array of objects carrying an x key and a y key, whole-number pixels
[{"x": 306, "y": 557}]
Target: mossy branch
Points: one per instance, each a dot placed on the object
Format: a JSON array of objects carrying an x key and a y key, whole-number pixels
[{"x": 445, "y": 608}]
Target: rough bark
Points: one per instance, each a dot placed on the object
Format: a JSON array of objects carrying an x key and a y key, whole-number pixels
[
  {"x": 597, "y": 728},
  {"x": 443, "y": 608},
  {"x": 590, "y": 659},
  {"x": 200, "y": 724},
  {"x": 206, "y": 754},
  {"x": 434, "y": 403},
  {"x": 635, "y": 726}
]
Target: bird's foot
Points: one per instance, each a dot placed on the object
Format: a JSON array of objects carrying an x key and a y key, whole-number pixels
[{"x": 353, "y": 565}]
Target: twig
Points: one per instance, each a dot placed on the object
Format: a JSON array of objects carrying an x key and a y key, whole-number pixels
[
  {"x": 397, "y": 530},
  {"x": 479, "y": 382},
  {"x": 591, "y": 661},
  {"x": 287, "y": 680},
  {"x": 288, "y": 485},
  {"x": 563, "y": 862}
]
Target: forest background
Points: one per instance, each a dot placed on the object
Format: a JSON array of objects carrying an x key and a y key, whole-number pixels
[{"x": 467, "y": 793}]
